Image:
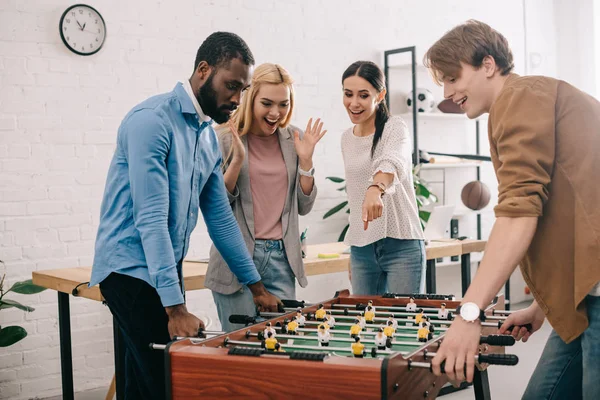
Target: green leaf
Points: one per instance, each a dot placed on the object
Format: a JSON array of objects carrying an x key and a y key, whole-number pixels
[
  {"x": 335, "y": 179},
  {"x": 341, "y": 189},
  {"x": 335, "y": 209},
  {"x": 422, "y": 191},
  {"x": 348, "y": 211},
  {"x": 424, "y": 215},
  {"x": 26, "y": 287},
  {"x": 11, "y": 303},
  {"x": 11, "y": 335},
  {"x": 343, "y": 234}
]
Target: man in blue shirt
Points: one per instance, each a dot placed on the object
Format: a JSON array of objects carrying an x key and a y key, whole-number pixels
[{"x": 167, "y": 165}]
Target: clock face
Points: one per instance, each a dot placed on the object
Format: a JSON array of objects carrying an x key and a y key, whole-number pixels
[{"x": 82, "y": 29}]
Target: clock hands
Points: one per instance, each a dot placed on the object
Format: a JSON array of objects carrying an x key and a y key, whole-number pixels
[{"x": 81, "y": 27}]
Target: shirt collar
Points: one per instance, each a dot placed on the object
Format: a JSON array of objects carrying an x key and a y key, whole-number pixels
[{"x": 188, "y": 88}]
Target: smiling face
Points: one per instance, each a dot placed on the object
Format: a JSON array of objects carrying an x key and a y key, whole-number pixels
[
  {"x": 472, "y": 89},
  {"x": 360, "y": 99},
  {"x": 271, "y": 107}
]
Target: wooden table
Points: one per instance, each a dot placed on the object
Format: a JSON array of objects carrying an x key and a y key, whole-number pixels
[{"x": 73, "y": 281}]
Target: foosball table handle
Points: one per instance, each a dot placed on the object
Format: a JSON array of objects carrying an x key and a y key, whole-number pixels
[
  {"x": 241, "y": 319},
  {"x": 293, "y": 303},
  {"x": 497, "y": 340},
  {"x": 510, "y": 328},
  {"x": 498, "y": 359}
]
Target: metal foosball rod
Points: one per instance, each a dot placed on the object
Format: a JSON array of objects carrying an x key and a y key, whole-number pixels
[
  {"x": 389, "y": 308},
  {"x": 335, "y": 339}
]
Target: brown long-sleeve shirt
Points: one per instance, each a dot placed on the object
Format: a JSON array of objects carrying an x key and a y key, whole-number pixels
[{"x": 545, "y": 146}]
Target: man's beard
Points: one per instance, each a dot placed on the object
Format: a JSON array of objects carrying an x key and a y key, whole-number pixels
[{"x": 207, "y": 97}]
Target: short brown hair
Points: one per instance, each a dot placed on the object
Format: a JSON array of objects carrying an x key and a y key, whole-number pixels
[{"x": 469, "y": 43}]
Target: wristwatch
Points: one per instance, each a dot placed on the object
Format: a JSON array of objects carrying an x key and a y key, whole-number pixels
[
  {"x": 309, "y": 173},
  {"x": 470, "y": 312}
]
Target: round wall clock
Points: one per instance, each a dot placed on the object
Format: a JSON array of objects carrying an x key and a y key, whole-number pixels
[{"x": 82, "y": 29}]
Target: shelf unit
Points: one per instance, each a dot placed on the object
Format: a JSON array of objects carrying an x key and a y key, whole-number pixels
[{"x": 414, "y": 116}]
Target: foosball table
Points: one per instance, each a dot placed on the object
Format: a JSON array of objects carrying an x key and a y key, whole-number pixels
[{"x": 351, "y": 347}]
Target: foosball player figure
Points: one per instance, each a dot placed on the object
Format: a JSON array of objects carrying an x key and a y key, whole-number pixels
[
  {"x": 442, "y": 312},
  {"x": 431, "y": 330},
  {"x": 355, "y": 329},
  {"x": 419, "y": 317},
  {"x": 411, "y": 306},
  {"x": 426, "y": 320},
  {"x": 370, "y": 304},
  {"x": 292, "y": 326},
  {"x": 270, "y": 342},
  {"x": 320, "y": 313},
  {"x": 323, "y": 335},
  {"x": 391, "y": 319},
  {"x": 361, "y": 320},
  {"x": 389, "y": 329},
  {"x": 369, "y": 315},
  {"x": 423, "y": 332},
  {"x": 330, "y": 320},
  {"x": 300, "y": 318},
  {"x": 358, "y": 348},
  {"x": 268, "y": 328},
  {"x": 380, "y": 339}
]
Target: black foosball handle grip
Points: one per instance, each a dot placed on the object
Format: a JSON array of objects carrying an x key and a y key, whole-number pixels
[
  {"x": 201, "y": 333},
  {"x": 498, "y": 359},
  {"x": 293, "y": 303},
  {"x": 510, "y": 328},
  {"x": 497, "y": 340},
  {"x": 241, "y": 319}
]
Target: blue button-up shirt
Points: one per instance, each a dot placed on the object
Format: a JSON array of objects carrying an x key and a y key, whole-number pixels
[{"x": 167, "y": 165}]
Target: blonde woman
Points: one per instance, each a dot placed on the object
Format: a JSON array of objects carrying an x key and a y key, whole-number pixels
[{"x": 268, "y": 172}]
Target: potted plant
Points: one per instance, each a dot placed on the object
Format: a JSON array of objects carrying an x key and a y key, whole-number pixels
[
  {"x": 10, "y": 335},
  {"x": 423, "y": 194}
]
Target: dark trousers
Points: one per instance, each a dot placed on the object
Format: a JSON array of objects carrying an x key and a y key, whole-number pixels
[{"x": 142, "y": 320}]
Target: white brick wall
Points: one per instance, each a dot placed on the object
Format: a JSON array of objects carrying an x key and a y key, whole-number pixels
[{"x": 59, "y": 113}]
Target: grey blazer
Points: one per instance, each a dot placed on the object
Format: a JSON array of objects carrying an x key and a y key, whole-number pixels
[{"x": 218, "y": 276}]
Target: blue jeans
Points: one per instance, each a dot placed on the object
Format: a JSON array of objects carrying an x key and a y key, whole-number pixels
[
  {"x": 388, "y": 266},
  {"x": 570, "y": 371},
  {"x": 276, "y": 274}
]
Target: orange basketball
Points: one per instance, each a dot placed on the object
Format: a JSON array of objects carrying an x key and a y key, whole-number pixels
[{"x": 475, "y": 195}]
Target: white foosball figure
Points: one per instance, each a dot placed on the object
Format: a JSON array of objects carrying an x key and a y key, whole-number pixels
[
  {"x": 442, "y": 312},
  {"x": 268, "y": 328},
  {"x": 361, "y": 321},
  {"x": 394, "y": 322},
  {"x": 380, "y": 339},
  {"x": 370, "y": 304},
  {"x": 411, "y": 306},
  {"x": 300, "y": 318},
  {"x": 330, "y": 320},
  {"x": 323, "y": 335}
]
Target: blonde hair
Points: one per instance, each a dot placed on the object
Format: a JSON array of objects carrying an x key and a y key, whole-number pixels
[
  {"x": 468, "y": 43},
  {"x": 243, "y": 116}
]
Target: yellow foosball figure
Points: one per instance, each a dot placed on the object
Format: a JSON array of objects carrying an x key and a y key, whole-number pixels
[
  {"x": 369, "y": 315},
  {"x": 270, "y": 342},
  {"x": 358, "y": 348},
  {"x": 320, "y": 313},
  {"x": 389, "y": 329},
  {"x": 423, "y": 332},
  {"x": 419, "y": 317},
  {"x": 355, "y": 329},
  {"x": 292, "y": 326}
]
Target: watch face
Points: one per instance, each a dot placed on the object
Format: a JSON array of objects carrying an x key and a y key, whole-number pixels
[{"x": 469, "y": 311}]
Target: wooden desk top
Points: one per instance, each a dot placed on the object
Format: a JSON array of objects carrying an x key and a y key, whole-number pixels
[{"x": 65, "y": 279}]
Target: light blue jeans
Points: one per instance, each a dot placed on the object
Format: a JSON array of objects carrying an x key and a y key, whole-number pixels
[
  {"x": 570, "y": 371},
  {"x": 388, "y": 266},
  {"x": 276, "y": 274}
]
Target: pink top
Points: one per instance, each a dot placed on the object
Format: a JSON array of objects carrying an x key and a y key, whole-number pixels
[{"x": 268, "y": 184}]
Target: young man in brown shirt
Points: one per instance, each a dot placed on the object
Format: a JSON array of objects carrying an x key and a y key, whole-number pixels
[{"x": 545, "y": 147}]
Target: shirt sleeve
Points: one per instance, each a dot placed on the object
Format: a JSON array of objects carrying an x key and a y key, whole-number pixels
[
  {"x": 393, "y": 154},
  {"x": 147, "y": 141},
  {"x": 224, "y": 230},
  {"x": 523, "y": 150}
]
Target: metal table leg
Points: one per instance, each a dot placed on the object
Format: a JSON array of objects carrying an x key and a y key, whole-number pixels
[
  {"x": 465, "y": 272},
  {"x": 430, "y": 284},
  {"x": 66, "y": 355}
]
